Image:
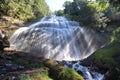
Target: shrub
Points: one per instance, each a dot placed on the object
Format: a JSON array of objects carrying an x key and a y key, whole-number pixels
[{"x": 116, "y": 35}]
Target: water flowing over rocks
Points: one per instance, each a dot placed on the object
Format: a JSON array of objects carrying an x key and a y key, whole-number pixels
[
  {"x": 57, "y": 38},
  {"x": 60, "y": 39},
  {"x": 89, "y": 73}
]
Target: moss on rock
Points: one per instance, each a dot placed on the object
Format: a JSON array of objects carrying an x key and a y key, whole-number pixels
[
  {"x": 58, "y": 72},
  {"x": 69, "y": 74},
  {"x": 51, "y": 68},
  {"x": 35, "y": 76}
]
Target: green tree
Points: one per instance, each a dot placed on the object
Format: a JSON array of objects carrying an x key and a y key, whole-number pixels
[
  {"x": 116, "y": 35},
  {"x": 24, "y": 9},
  {"x": 40, "y": 8},
  {"x": 60, "y": 13},
  {"x": 89, "y": 13},
  {"x": 67, "y": 6}
]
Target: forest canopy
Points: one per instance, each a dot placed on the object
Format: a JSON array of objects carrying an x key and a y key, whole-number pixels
[
  {"x": 24, "y": 9},
  {"x": 97, "y": 14},
  {"x": 100, "y": 15}
]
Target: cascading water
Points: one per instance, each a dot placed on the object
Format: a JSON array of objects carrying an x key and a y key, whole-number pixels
[
  {"x": 56, "y": 38},
  {"x": 86, "y": 72}
]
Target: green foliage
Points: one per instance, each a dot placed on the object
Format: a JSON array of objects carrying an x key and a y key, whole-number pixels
[
  {"x": 25, "y": 77},
  {"x": 116, "y": 35},
  {"x": 59, "y": 13},
  {"x": 67, "y": 6},
  {"x": 40, "y": 8},
  {"x": 115, "y": 2},
  {"x": 100, "y": 21},
  {"x": 99, "y": 14},
  {"x": 35, "y": 76},
  {"x": 88, "y": 13},
  {"x": 113, "y": 13},
  {"x": 24, "y": 9},
  {"x": 43, "y": 75},
  {"x": 111, "y": 2},
  {"x": 69, "y": 74},
  {"x": 106, "y": 55},
  {"x": 108, "y": 58},
  {"x": 21, "y": 61},
  {"x": 27, "y": 63},
  {"x": 98, "y": 6},
  {"x": 53, "y": 70},
  {"x": 79, "y": 11},
  {"x": 78, "y": 7}
]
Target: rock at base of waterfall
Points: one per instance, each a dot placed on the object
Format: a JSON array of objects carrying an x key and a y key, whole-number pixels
[
  {"x": 3, "y": 40},
  {"x": 106, "y": 60}
]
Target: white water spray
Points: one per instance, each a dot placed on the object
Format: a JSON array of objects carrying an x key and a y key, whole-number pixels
[
  {"x": 86, "y": 72},
  {"x": 56, "y": 38}
]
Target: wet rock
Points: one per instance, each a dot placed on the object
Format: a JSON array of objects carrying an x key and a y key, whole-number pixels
[
  {"x": 107, "y": 61},
  {"x": 3, "y": 40},
  {"x": 2, "y": 72},
  {"x": 112, "y": 74},
  {"x": 117, "y": 58},
  {"x": 8, "y": 65}
]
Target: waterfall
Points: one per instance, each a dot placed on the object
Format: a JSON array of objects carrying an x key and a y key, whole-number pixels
[{"x": 56, "y": 38}]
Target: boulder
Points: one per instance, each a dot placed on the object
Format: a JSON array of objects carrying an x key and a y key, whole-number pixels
[{"x": 3, "y": 40}]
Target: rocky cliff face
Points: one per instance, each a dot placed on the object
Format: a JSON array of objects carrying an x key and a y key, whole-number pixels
[{"x": 3, "y": 40}]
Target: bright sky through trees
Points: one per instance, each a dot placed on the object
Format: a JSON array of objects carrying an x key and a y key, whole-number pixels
[{"x": 56, "y": 4}]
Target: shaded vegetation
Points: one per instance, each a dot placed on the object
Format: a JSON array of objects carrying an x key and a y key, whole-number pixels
[
  {"x": 107, "y": 55},
  {"x": 106, "y": 60},
  {"x": 99, "y": 14},
  {"x": 116, "y": 35},
  {"x": 35, "y": 76},
  {"x": 87, "y": 13},
  {"x": 49, "y": 69}
]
